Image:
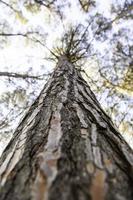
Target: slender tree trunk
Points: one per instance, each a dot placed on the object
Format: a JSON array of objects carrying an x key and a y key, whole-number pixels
[{"x": 66, "y": 147}]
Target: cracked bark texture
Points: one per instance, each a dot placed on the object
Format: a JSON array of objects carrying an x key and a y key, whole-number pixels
[{"x": 66, "y": 147}]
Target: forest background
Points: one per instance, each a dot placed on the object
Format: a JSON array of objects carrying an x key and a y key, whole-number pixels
[{"x": 32, "y": 33}]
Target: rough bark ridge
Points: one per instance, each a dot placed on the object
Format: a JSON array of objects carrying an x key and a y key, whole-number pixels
[{"x": 66, "y": 147}]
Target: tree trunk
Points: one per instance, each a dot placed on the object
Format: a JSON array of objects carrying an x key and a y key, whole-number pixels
[{"x": 66, "y": 147}]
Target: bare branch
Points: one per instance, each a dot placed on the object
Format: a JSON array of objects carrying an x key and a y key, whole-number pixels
[
  {"x": 86, "y": 4},
  {"x": 9, "y": 6},
  {"x": 17, "y": 34},
  {"x": 45, "y": 3},
  {"x": 23, "y": 76}
]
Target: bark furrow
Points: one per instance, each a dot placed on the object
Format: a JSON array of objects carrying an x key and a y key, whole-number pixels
[{"x": 66, "y": 147}]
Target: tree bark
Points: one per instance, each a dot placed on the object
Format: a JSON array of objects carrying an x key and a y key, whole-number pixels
[{"x": 66, "y": 147}]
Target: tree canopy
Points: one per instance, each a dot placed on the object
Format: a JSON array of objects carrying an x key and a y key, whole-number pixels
[{"x": 95, "y": 35}]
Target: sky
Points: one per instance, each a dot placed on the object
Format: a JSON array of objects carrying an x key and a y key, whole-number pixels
[{"x": 19, "y": 55}]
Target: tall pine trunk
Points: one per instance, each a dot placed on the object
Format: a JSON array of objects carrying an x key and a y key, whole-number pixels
[{"x": 66, "y": 147}]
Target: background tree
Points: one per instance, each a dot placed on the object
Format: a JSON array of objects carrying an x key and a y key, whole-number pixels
[{"x": 109, "y": 46}]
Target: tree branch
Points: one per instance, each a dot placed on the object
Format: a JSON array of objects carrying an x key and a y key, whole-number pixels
[
  {"x": 23, "y": 76},
  {"x": 9, "y": 6},
  {"x": 17, "y": 34}
]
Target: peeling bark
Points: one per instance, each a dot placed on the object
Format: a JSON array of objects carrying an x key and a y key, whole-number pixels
[{"x": 66, "y": 147}]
